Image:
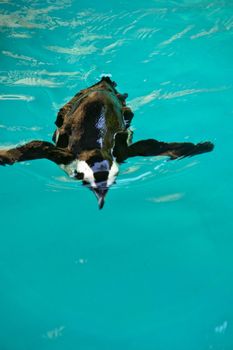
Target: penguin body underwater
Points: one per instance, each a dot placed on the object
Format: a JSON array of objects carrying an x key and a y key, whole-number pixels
[{"x": 93, "y": 138}]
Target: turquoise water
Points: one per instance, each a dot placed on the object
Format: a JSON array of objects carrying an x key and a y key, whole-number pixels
[{"x": 153, "y": 269}]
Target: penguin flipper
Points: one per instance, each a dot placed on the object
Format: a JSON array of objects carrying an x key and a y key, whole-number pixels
[
  {"x": 173, "y": 150},
  {"x": 35, "y": 150}
]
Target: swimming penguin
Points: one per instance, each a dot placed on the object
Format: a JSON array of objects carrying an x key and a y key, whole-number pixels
[{"x": 93, "y": 138}]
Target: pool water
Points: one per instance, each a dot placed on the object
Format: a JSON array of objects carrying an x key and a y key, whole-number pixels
[{"x": 153, "y": 269}]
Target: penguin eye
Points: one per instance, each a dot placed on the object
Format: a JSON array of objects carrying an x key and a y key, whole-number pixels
[{"x": 79, "y": 176}]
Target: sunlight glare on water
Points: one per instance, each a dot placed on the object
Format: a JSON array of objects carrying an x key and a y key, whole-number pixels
[{"x": 153, "y": 269}]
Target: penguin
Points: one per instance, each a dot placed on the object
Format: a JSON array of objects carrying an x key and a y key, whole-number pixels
[{"x": 93, "y": 137}]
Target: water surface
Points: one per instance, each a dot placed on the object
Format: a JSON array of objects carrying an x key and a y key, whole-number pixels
[{"x": 153, "y": 269}]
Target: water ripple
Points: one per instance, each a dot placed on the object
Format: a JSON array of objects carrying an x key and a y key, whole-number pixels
[
  {"x": 20, "y": 128},
  {"x": 112, "y": 46},
  {"x": 37, "y": 82},
  {"x": 138, "y": 102},
  {"x": 20, "y": 35},
  {"x": 177, "y": 36},
  {"x": 146, "y": 33},
  {"x": 22, "y": 57},
  {"x": 16, "y": 97},
  {"x": 212, "y": 30},
  {"x": 54, "y": 333},
  {"x": 76, "y": 50},
  {"x": 167, "y": 198},
  {"x": 40, "y": 78}
]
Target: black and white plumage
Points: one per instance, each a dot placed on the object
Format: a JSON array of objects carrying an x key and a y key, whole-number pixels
[{"x": 93, "y": 138}]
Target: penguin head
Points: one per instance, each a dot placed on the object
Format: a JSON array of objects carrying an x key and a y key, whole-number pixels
[{"x": 98, "y": 172}]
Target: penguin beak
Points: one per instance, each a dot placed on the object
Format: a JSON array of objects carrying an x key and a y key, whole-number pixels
[{"x": 100, "y": 193}]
